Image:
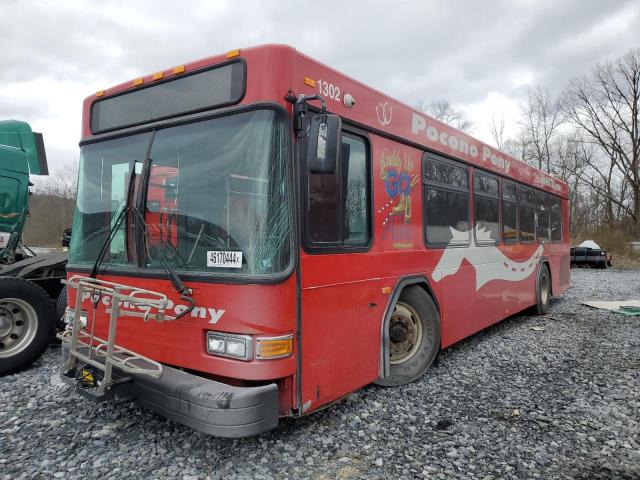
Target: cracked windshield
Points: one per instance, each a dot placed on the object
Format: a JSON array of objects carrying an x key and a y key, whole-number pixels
[{"x": 216, "y": 197}]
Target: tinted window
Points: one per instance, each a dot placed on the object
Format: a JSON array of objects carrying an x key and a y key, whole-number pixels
[
  {"x": 542, "y": 227},
  {"x": 445, "y": 210},
  {"x": 186, "y": 93},
  {"x": 527, "y": 195},
  {"x": 446, "y": 203},
  {"x": 485, "y": 185},
  {"x": 509, "y": 190},
  {"x": 527, "y": 223},
  {"x": 486, "y": 210},
  {"x": 355, "y": 168},
  {"x": 556, "y": 220},
  {"x": 446, "y": 174},
  {"x": 338, "y": 202},
  {"x": 509, "y": 221}
]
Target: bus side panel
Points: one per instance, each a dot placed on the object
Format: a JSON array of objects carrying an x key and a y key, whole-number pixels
[
  {"x": 340, "y": 328},
  {"x": 481, "y": 294}
]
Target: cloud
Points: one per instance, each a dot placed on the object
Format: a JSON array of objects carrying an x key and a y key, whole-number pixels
[{"x": 478, "y": 55}]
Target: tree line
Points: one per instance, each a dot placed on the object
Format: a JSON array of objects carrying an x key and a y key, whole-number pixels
[{"x": 51, "y": 207}]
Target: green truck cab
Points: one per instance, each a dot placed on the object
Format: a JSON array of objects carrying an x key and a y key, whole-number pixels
[{"x": 21, "y": 154}]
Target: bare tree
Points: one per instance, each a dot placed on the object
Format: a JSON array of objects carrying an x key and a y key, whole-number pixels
[
  {"x": 51, "y": 207},
  {"x": 60, "y": 183},
  {"x": 542, "y": 115},
  {"x": 444, "y": 111},
  {"x": 605, "y": 107},
  {"x": 496, "y": 127}
]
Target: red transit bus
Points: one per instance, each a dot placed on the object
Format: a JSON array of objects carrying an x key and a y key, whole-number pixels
[{"x": 258, "y": 235}]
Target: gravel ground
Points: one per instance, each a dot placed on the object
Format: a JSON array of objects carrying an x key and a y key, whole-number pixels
[{"x": 510, "y": 402}]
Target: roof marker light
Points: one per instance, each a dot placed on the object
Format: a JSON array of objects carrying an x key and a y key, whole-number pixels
[
  {"x": 100, "y": 93},
  {"x": 158, "y": 75},
  {"x": 138, "y": 81},
  {"x": 233, "y": 53},
  {"x": 178, "y": 70},
  {"x": 309, "y": 81}
]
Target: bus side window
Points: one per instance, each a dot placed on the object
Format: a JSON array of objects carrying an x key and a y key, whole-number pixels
[
  {"x": 338, "y": 203},
  {"x": 354, "y": 168},
  {"x": 509, "y": 212},
  {"x": 446, "y": 202},
  {"x": 486, "y": 209},
  {"x": 542, "y": 226},
  {"x": 528, "y": 207},
  {"x": 556, "y": 220}
]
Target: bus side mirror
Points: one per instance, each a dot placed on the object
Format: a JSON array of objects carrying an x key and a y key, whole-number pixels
[{"x": 325, "y": 143}]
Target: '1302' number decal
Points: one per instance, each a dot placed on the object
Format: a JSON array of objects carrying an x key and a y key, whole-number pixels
[{"x": 329, "y": 90}]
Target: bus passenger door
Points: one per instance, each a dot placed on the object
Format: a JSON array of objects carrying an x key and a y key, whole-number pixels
[{"x": 340, "y": 324}]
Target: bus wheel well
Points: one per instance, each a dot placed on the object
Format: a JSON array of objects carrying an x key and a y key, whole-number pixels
[{"x": 404, "y": 283}]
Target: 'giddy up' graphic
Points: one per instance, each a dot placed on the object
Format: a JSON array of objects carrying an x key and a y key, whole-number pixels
[
  {"x": 488, "y": 261},
  {"x": 396, "y": 170}
]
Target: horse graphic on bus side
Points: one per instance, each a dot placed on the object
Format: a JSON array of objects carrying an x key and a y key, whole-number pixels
[{"x": 487, "y": 260}]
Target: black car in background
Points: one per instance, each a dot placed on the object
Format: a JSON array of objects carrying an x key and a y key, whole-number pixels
[{"x": 589, "y": 254}]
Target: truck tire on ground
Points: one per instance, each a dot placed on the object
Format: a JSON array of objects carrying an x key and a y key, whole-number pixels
[
  {"x": 414, "y": 337},
  {"x": 26, "y": 323},
  {"x": 543, "y": 290}
]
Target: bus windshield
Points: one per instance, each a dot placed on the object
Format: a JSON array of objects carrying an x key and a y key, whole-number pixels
[{"x": 216, "y": 197}]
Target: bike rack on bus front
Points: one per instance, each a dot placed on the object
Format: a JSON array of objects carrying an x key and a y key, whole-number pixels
[{"x": 99, "y": 355}]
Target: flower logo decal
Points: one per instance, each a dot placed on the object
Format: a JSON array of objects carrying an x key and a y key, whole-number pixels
[{"x": 384, "y": 112}]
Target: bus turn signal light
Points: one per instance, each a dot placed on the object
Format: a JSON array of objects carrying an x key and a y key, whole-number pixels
[
  {"x": 274, "y": 347},
  {"x": 233, "y": 53}
]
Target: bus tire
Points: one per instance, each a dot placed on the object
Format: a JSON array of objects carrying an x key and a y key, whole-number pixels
[
  {"x": 26, "y": 323},
  {"x": 414, "y": 337},
  {"x": 61, "y": 306},
  {"x": 543, "y": 290}
]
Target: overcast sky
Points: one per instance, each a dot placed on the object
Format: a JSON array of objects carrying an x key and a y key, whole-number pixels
[{"x": 480, "y": 55}]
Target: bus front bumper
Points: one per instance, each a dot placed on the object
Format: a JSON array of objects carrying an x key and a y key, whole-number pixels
[{"x": 209, "y": 406}]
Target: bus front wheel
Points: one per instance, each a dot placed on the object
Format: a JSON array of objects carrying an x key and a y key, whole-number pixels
[{"x": 414, "y": 337}]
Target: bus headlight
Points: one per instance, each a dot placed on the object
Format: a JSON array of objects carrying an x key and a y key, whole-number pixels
[{"x": 230, "y": 345}]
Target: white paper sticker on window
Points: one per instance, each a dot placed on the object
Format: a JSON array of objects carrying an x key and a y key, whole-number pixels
[
  {"x": 4, "y": 239},
  {"x": 221, "y": 259}
]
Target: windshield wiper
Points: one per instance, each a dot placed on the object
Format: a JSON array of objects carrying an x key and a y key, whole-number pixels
[
  {"x": 116, "y": 225},
  {"x": 174, "y": 278},
  {"x": 105, "y": 246},
  {"x": 141, "y": 201}
]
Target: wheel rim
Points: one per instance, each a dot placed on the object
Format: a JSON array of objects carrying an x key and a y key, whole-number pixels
[
  {"x": 544, "y": 288},
  {"x": 405, "y": 333},
  {"x": 18, "y": 326}
]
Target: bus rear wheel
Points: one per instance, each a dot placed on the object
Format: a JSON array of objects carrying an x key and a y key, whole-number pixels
[
  {"x": 414, "y": 337},
  {"x": 543, "y": 290}
]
